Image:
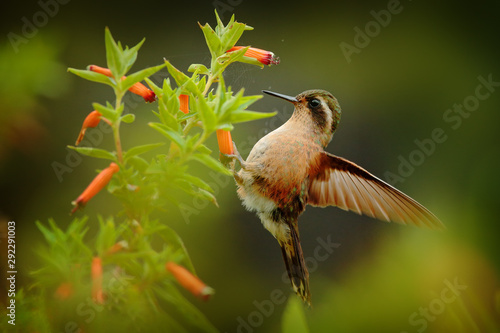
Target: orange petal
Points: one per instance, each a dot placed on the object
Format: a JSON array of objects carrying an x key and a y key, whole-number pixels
[
  {"x": 64, "y": 291},
  {"x": 92, "y": 120},
  {"x": 141, "y": 90},
  {"x": 97, "y": 184},
  {"x": 263, "y": 56},
  {"x": 121, "y": 245},
  {"x": 184, "y": 103},
  {"x": 138, "y": 88},
  {"x": 190, "y": 282},
  {"x": 96, "y": 273},
  {"x": 225, "y": 142}
]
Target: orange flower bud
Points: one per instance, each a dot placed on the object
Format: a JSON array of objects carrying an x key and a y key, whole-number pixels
[
  {"x": 121, "y": 245},
  {"x": 99, "y": 182},
  {"x": 138, "y": 88},
  {"x": 92, "y": 120},
  {"x": 225, "y": 142},
  {"x": 184, "y": 103},
  {"x": 263, "y": 56},
  {"x": 189, "y": 281},
  {"x": 64, "y": 291},
  {"x": 96, "y": 274}
]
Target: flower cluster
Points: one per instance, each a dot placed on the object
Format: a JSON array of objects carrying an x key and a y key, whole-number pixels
[{"x": 143, "y": 184}]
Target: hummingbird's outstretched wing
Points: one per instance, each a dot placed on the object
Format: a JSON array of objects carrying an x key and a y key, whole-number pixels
[{"x": 338, "y": 182}]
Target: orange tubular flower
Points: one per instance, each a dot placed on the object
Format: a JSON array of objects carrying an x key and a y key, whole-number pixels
[
  {"x": 184, "y": 103},
  {"x": 96, "y": 273},
  {"x": 225, "y": 142},
  {"x": 263, "y": 56},
  {"x": 99, "y": 182},
  {"x": 92, "y": 120},
  {"x": 138, "y": 88},
  {"x": 64, "y": 291},
  {"x": 189, "y": 281},
  {"x": 117, "y": 247}
]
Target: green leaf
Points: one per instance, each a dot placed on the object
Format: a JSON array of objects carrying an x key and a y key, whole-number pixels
[
  {"x": 49, "y": 235},
  {"x": 245, "y": 115},
  {"x": 182, "y": 79},
  {"x": 226, "y": 59},
  {"x": 213, "y": 41},
  {"x": 139, "y": 76},
  {"x": 128, "y": 118},
  {"x": 138, "y": 163},
  {"x": 95, "y": 152},
  {"x": 251, "y": 61},
  {"x": 130, "y": 55},
  {"x": 113, "y": 55},
  {"x": 106, "y": 237},
  {"x": 294, "y": 320},
  {"x": 204, "y": 149},
  {"x": 232, "y": 34},
  {"x": 210, "y": 162},
  {"x": 168, "y": 133},
  {"x": 107, "y": 112},
  {"x": 198, "y": 182},
  {"x": 93, "y": 76},
  {"x": 157, "y": 90},
  {"x": 199, "y": 68},
  {"x": 174, "y": 240},
  {"x": 141, "y": 150},
  {"x": 207, "y": 114}
]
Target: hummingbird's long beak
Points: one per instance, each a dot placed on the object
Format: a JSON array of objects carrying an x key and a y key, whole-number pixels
[{"x": 285, "y": 97}]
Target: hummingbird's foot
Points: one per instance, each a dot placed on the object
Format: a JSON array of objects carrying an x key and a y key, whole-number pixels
[{"x": 230, "y": 159}]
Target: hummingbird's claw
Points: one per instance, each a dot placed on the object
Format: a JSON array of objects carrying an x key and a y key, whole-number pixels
[{"x": 229, "y": 161}]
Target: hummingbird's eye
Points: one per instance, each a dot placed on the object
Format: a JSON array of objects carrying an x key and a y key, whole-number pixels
[{"x": 314, "y": 103}]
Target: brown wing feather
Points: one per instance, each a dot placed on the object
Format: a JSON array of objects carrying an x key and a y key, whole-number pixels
[{"x": 335, "y": 181}]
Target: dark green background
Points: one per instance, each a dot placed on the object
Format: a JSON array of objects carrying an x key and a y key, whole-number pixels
[{"x": 395, "y": 91}]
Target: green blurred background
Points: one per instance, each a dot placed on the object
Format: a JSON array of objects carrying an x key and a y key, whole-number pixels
[{"x": 379, "y": 277}]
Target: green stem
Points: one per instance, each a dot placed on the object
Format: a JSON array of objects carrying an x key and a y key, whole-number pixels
[{"x": 116, "y": 128}]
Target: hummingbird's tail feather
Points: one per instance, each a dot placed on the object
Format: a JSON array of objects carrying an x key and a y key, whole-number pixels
[{"x": 295, "y": 265}]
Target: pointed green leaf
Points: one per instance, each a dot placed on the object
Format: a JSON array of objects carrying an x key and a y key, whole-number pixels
[
  {"x": 138, "y": 163},
  {"x": 245, "y": 115},
  {"x": 182, "y": 79},
  {"x": 106, "y": 111},
  {"x": 232, "y": 35},
  {"x": 207, "y": 114},
  {"x": 210, "y": 162},
  {"x": 141, "y": 150},
  {"x": 213, "y": 41},
  {"x": 168, "y": 133},
  {"x": 113, "y": 55},
  {"x": 198, "y": 182},
  {"x": 93, "y": 76},
  {"x": 157, "y": 90},
  {"x": 130, "y": 55},
  {"x": 204, "y": 149},
  {"x": 251, "y": 61},
  {"x": 95, "y": 152},
  {"x": 139, "y": 76},
  {"x": 49, "y": 235}
]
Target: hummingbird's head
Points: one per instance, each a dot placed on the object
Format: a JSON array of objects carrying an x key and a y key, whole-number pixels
[{"x": 321, "y": 107}]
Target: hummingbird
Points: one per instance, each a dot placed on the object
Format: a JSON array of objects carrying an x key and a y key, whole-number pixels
[{"x": 289, "y": 168}]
